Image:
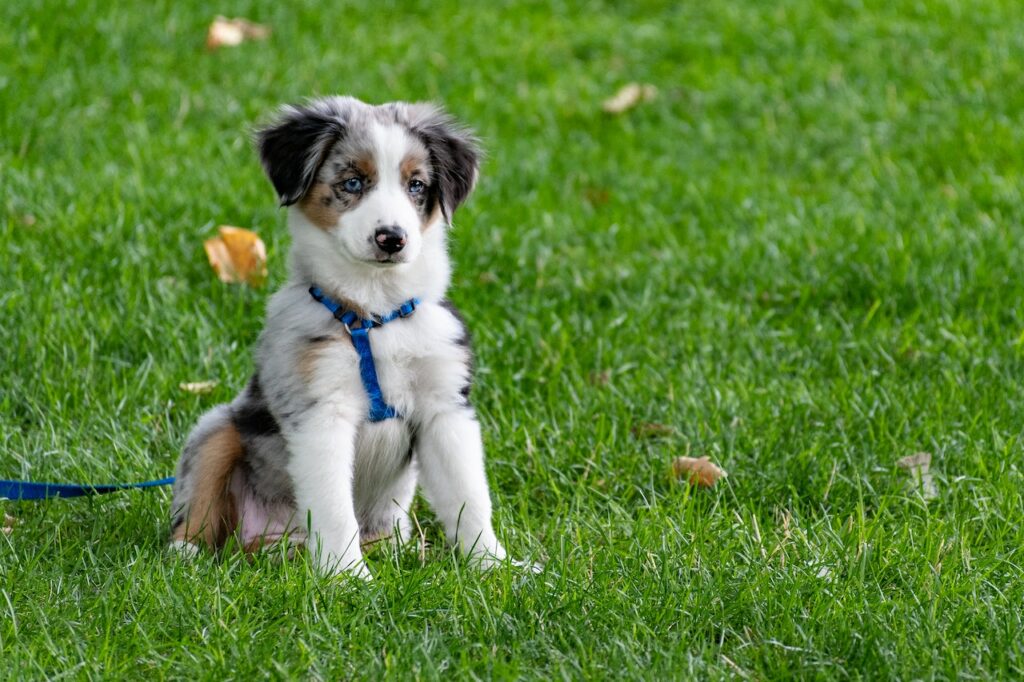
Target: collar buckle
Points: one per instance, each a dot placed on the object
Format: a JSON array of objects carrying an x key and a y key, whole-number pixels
[{"x": 407, "y": 308}]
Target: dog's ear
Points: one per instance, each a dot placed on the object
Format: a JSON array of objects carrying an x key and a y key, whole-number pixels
[
  {"x": 454, "y": 155},
  {"x": 293, "y": 148}
]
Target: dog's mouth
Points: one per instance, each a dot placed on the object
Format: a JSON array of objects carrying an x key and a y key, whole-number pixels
[{"x": 387, "y": 260}]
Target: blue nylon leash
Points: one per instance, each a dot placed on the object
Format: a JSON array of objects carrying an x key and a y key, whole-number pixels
[
  {"x": 379, "y": 409},
  {"x": 27, "y": 490}
]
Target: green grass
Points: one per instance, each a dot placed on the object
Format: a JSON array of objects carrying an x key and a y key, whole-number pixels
[{"x": 804, "y": 256}]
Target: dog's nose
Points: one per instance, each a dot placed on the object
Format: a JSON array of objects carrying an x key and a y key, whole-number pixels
[{"x": 390, "y": 239}]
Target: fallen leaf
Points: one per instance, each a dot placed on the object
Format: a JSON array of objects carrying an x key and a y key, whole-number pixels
[
  {"x": 698, "y": 470},
  {"x": 198, "y": 387},
  {"x": 918, "y": 466},
  {"x": 651, "y": 430},
  {"x": 629, "y": 96},
  {"x": 237, "y": 255},
  {"x": 224, "y": 32},
  {"x": 8, "y": 526}
]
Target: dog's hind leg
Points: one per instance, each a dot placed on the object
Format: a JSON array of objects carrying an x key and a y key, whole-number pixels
[
  {"x": 388, "y": 516},
  {"x": 203, "y": 509},
  {"x": 385, "y": 481}
]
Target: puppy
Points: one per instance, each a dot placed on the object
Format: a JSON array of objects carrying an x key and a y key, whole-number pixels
[{"x": 319, "y": 447}]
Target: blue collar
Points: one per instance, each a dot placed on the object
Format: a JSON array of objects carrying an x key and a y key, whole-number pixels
[{"x": 379, "y": 410}]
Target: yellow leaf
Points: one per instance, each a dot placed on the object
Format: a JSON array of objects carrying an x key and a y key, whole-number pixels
[
  {"x": 698, "y": 470},
  {"x": 224, "y": 32},
  {"x": 237, "y": 255},
  {"x": 629, "y": 96}
]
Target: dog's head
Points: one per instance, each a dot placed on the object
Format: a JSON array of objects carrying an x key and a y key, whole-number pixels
[{"x": 375, "y": 178}]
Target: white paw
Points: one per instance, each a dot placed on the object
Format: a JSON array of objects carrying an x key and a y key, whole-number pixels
[
  {"x": 359, "y": 570},
  {"x": 184, "y": 549},
  {"x": 527, "y": 566},
  {"x": 353, "y": 567},
  {"x": 486, "y": 562}
]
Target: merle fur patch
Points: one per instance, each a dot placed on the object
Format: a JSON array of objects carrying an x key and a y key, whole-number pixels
[{"x": 293, "y": 149}]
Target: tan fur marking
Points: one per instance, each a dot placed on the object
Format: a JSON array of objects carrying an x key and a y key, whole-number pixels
[
  {"x": 414, "y": 161},
  {"x": 212, "y": 510},
  {"x": 416, "y": 164},
  {"x": 308, "y": 360},
  {"x": 320, "y": 206},
  {"x": 365, "y": 165}
]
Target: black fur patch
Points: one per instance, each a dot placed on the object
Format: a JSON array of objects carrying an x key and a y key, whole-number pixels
[
  {"x": 293, "y": 149},
  {"x": 454, "y": 159},
  {"x": 251, "y": 417}
]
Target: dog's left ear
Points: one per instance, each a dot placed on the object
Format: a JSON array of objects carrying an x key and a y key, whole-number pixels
[
  {"x": 454, "y": 155},
  {"x": 293, "y": 148}
]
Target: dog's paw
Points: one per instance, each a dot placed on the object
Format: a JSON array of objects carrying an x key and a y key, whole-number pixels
[
  {"x": 360, "y": 570},
  {"x": 344, "y": 567},
  {"x": 487, "y": 562},
  {"x": 183, "y": 549},
  {"x": 351, "y": 576},
  {"x": 527, "y": 566}
]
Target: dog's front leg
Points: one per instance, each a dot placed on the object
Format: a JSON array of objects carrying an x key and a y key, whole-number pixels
[
  {"x": 321, "y": 464},
  {"x": 451, "y": 459}
]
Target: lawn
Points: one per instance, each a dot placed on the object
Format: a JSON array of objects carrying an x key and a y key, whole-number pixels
[{"x": 803, "y": 259}]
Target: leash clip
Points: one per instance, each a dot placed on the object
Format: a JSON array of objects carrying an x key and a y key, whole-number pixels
[{"x": 347, "y": 319}]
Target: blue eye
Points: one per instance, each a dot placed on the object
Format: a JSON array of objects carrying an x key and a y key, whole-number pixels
[
  {"x": 353, "y": 186},
  {"x": 416, "y": 186}
]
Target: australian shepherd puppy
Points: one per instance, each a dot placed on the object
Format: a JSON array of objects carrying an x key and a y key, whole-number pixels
[{"x": 307, "y": 451}]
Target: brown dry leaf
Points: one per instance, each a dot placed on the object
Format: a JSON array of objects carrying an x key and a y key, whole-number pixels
[
  {"x": 198, "y": 387},
  {"x": 237, "y": 255},
  {"x": 224, "y": 32},
  {"x": 8, "y": 526},
  {"x": 918, "y": 466},
  {"x": 629, "y": 96},
  {"x": 651, "y": 430},
  {"x": 698, "y": 470}
]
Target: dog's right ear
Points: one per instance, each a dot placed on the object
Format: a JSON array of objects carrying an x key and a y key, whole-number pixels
[{"x": 294, "y": 147}]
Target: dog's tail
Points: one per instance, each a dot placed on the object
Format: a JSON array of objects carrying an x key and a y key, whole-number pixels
[{"x": 203, "y": 509}]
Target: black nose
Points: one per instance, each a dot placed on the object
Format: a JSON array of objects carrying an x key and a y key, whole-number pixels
[{"x": 390, "y": 239}]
